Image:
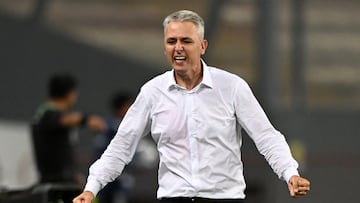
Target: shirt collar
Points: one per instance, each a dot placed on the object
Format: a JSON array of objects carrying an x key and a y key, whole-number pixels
[{"x": 206, "y": 80}]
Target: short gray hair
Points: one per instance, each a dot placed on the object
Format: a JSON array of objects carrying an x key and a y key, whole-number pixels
[{"x": 186, "y": 15}]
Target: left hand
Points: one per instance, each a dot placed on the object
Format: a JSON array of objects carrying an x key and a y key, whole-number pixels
[{"x": 298, "y": 186}]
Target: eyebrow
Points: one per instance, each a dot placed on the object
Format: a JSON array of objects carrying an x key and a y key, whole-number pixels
[{"x": 181, "y": 38}]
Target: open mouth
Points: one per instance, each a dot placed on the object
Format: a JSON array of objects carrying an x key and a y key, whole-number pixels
[{"x": 179, "y": 58}]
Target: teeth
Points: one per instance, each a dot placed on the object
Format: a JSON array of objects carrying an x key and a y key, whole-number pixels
[{"x": 179, "y": 57}]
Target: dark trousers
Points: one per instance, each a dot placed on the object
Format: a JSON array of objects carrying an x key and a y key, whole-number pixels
[{"x": 198, "y": 200}]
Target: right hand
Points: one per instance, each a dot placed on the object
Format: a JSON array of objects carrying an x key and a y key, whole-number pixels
[
  {"x": 85, "y": 197},
  {"x": 96, "y": 123}
]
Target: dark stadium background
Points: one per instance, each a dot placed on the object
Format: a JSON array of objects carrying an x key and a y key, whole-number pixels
[{"x": 300, "y": 57}]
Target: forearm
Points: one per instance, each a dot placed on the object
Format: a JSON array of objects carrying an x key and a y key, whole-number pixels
[
  {"x": 101, "y": 173},
  {"x": 122, "y": 148},
  {"x": 269, "y": 141},
  {"x": 273, "y": 146},
  {"x": 72, "y": 119}
]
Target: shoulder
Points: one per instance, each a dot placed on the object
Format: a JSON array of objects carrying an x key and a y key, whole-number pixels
[
  {"x": 159, "y": 81},
  {"x": 45, "y": 111},
  {"x": 236, "y": 88},
  {"x": 155, "y": 87},
  {"x": 223, "y": 77}
]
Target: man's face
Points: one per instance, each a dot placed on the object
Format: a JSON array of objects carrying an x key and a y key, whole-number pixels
[
  {"x": 183, "y": 46},
  {"x": 71, "y": 98}
]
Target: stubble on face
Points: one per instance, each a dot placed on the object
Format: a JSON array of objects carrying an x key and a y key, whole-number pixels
[{"x": 183, "y": 47}]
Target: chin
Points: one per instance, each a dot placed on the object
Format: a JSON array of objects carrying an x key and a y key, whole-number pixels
[{"x": 178, "y": 68}]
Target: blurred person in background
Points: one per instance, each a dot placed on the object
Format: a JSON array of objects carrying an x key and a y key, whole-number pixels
[
  {"x": 53, "y": 131},
  {"x": 195, "y": 114},
  {"x": 117, "y": 190}
]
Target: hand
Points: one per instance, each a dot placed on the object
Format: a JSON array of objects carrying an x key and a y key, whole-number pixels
[
  {"x": 85, "y": 197},
  {"x": 298, "y": 186},
  {"x": 96, "y": 123}
]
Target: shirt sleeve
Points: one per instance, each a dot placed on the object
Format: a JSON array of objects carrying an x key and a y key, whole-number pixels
[
  {"x": 121, "y": 149},
  {"x": 269, "y": 141}
]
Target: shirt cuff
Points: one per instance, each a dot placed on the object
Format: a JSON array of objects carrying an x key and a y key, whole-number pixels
[
  {"x": 289, "y": 173},
  {"x": 93, "y": 186}
]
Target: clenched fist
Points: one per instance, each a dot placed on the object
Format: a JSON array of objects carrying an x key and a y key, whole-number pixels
[
  {"x": 298, "y": 186},
  {"x": 85, "y": 197}
]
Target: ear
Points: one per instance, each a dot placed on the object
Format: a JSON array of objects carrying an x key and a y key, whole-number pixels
[{"x": 204, "y": 45}]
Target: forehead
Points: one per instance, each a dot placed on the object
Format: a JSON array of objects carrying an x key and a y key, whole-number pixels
[{"x": 181, "y": 29}]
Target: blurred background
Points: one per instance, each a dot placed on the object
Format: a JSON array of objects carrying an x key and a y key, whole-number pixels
[{"x": 301, "y": 58}]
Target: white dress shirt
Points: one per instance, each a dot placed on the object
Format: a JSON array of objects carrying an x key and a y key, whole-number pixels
[{"x": 198, "y": 137}]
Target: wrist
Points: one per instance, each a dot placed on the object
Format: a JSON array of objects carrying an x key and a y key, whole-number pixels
[
  {"x": 290, "y": 173},
  {"x": 84, "y": 119}
]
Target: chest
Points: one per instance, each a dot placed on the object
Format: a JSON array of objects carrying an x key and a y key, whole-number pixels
[{"x": 180, "y": 113}]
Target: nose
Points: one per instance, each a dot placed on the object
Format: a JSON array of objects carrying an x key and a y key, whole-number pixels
[{"x": 179, "y": 46}]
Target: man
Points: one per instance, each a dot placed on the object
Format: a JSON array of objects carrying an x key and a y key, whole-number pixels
[
  {"x": 195, "y": 113},
  {"x": 52, "y": 129}
]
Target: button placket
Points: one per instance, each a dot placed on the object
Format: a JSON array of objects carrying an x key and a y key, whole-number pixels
[{"x": 192, "y": 138}]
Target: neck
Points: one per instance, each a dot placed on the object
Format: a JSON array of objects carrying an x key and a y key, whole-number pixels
[
  {"x": 189, "y": 81},
  {"x": 59, "y": 103}
]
